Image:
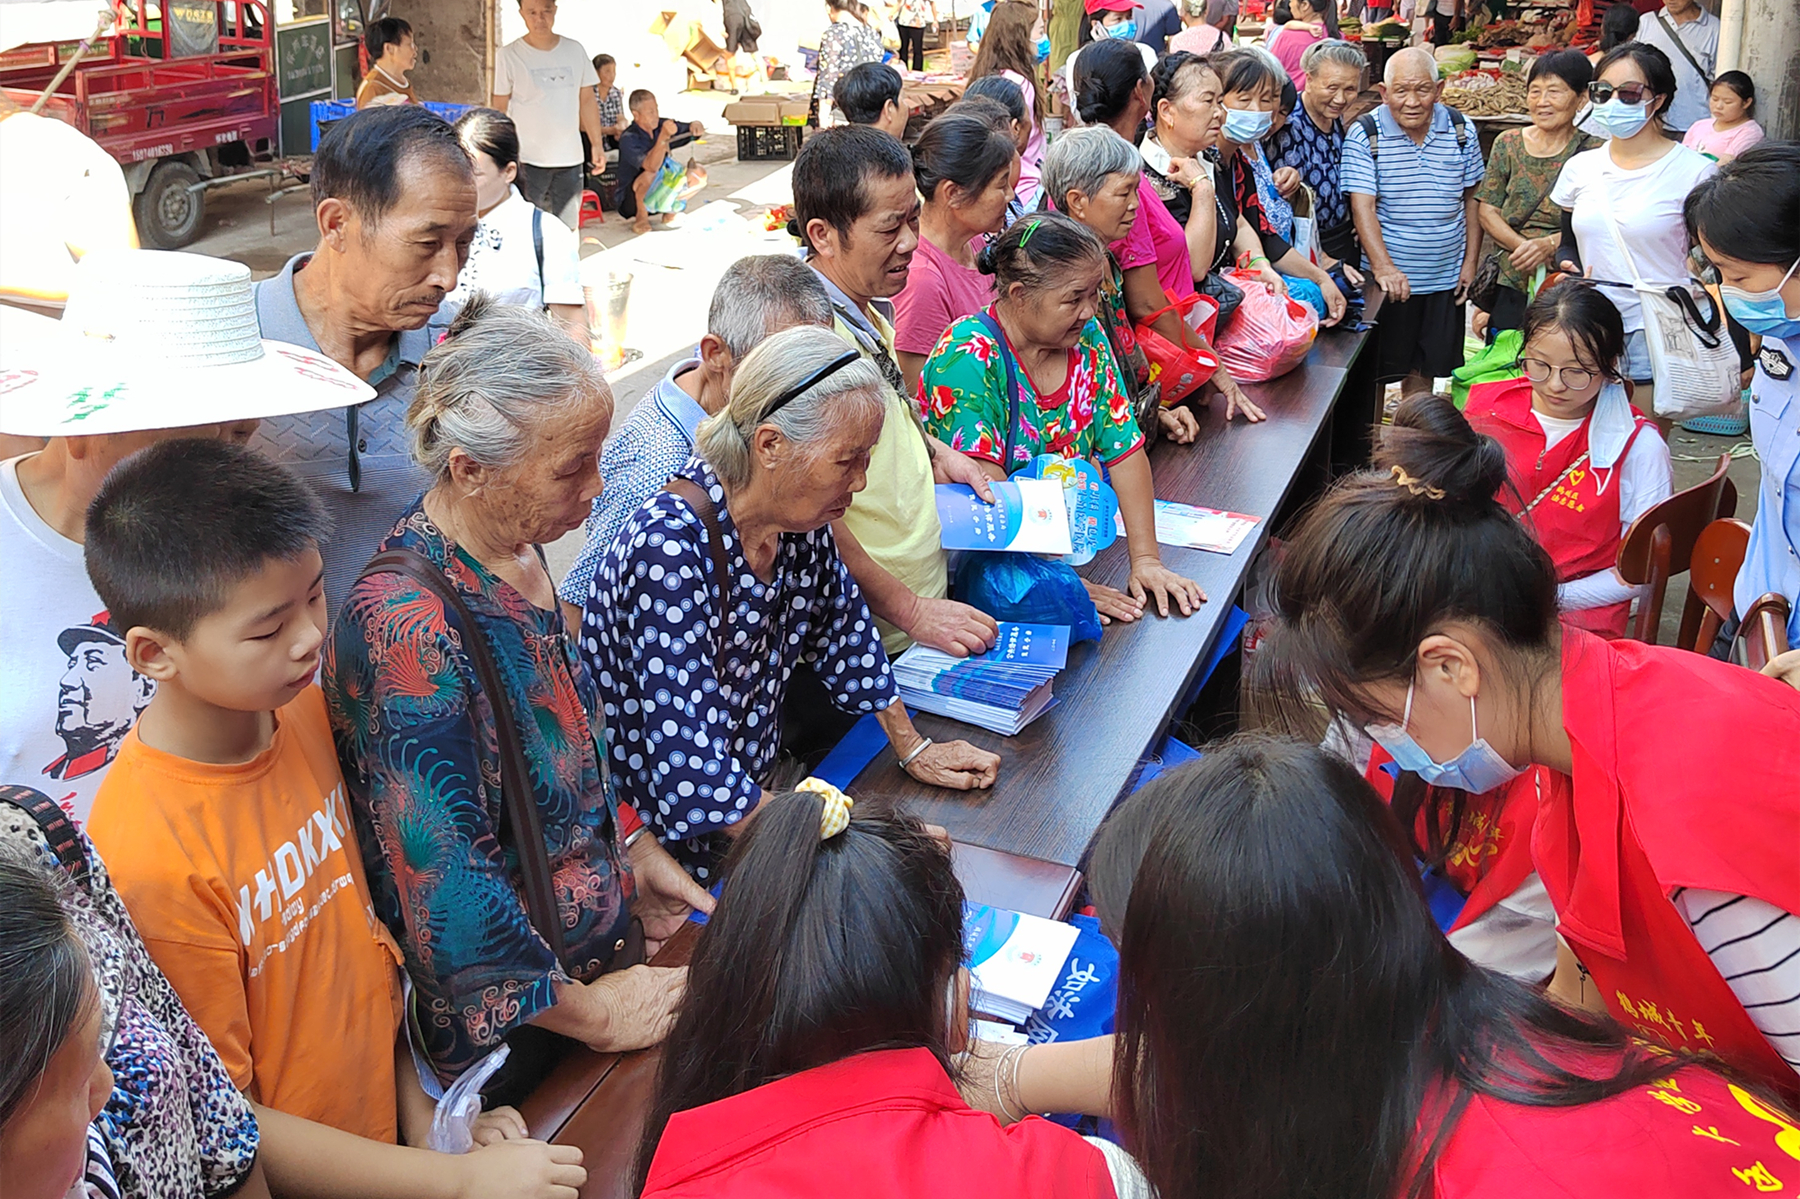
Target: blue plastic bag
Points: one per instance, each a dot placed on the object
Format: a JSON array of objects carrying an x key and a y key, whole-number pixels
[
  {"x": 1029, "y": 590},
  {"x": 1307, "y": 292}
]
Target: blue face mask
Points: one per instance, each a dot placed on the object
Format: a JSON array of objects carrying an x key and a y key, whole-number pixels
[
  {"x": 1246, "y": 125},
  {"x": 1763, "y": 312},
  {"x": 1124, "y": 31},
  {"x": 1043, "y": 49},
  {"x": 1476, "y": 769},
  {"x": 1619, "y": 119}
]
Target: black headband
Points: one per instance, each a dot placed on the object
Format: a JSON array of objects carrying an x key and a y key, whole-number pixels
[{"x": 811, "y": 381}]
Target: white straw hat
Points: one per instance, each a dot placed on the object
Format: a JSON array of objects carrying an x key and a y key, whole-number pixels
[{"x": 153, "y": 339}]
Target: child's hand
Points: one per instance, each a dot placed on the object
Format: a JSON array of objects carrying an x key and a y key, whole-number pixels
[{"x": 499, "y": 1124}]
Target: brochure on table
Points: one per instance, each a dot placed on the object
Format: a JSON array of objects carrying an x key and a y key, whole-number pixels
[
  {"x": 1202, "y": 528},
  {"x": 1004, "y": 689},
  {"x": 1093, "y": 505}
]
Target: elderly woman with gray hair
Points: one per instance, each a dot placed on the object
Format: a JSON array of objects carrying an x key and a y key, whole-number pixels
[
  {"x": 727, "y": 580},
  {"x": 521, "y": 892}
]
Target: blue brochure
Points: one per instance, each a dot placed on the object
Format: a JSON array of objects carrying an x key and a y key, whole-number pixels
[{"x": 1027, "y": 515}]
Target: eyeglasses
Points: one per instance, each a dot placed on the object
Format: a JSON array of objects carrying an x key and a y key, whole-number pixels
[
  {"x": 811, "y": 381},
  {"x": 1575, "y": 378},
  {"x": 1630, "y": 93},
  {"x": 1702, "y": 268}
]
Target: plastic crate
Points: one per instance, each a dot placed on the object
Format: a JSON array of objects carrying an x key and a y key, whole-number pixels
[
  {"x": 326, "y": 113},
  {"x": 767, "y": 143}
]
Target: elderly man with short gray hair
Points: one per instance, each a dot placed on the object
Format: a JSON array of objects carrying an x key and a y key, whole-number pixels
[
  {"x": 756, "y": 296},
  {"x": 1410, "y": 169}
]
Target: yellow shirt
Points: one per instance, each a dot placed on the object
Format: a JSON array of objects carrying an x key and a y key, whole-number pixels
[{"x": 895, "y": 516}]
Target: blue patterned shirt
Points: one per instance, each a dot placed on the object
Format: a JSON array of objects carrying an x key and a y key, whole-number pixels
[
  {"x": 689, "y": 749},
  {"x": 1318, "y": 155},
  {"x": 654, "y": 443},
  {"x": 416, "y": 737}
]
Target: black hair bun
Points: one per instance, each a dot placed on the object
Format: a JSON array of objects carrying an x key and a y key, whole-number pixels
[
  {"x": 1435, "y": 454},
  {"x": 985, "y": 261}
]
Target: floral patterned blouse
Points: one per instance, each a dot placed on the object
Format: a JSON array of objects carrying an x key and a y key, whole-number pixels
[
  {"x": 690, "y": 748},
  {"x": 417, "y": 740},
  {"x": 175, "y": 1126},
  {"x": 962, "y": 395}
]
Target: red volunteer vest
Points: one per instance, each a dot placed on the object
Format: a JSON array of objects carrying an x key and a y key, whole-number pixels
[
  {"x": 1579, "y": 521},
  {"x": 1492, "y": 853},
  {"x": 1686, "y": 774},
  {"x": 882, "y": 1125},
  {"x": 1691, "y": 1135}
]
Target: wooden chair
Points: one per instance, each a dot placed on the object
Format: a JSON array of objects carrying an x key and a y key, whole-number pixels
[
  {"x": 1712, "y": 569},
  {"x": 1660, "y": 543},
  {"x": 1764, "y": 631}
]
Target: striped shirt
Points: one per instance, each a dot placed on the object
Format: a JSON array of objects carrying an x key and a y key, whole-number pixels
[
  {"x": 1756, "y": 947},
  {"x": 1419, "y": 193}
]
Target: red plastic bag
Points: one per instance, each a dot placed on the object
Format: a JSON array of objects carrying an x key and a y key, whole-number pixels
[
  {"x": 1181, "y": 369},
  {"x": 1268, "y": 335}
]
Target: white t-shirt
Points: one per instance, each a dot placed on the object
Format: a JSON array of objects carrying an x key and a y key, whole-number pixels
[
  {"x": 545, "y": 86},
  {"x": 503, "y": 263},
  {"x": 70, "y": 696},
  {"x": 1646, "y": 204},
  {"x": 1644, "y": 480},
  {"x": 1069, "y": 70}
]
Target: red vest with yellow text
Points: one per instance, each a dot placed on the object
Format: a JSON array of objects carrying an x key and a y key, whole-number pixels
[
  {"x": 1686, "y": 774},
  {"x": 1578, "y": 522},
  {"x": 1492, "y": 853},
  {"x": 1690, "y": 1135}
]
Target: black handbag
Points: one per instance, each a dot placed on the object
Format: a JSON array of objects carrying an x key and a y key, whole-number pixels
[{"x": 1484, "y": 289}]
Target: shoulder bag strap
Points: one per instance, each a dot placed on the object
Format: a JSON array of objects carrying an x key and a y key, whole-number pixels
[
  {"x": 1012, "y": 385},
  {"x": 519, "y": 811},
  {"x": 537, "y": 246},
  {"x": 1554, "y": 484},
  {"x": 697, "y": 499},
  {"x": 1372, "y": 130},
  {"x": 54, "y": 823},
  {"x": 1662, "y": 18}
]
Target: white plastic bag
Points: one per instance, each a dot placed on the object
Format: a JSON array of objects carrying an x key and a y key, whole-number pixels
[{"x": 452, "y": 1125}]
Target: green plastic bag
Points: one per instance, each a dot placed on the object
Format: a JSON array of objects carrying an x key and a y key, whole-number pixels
[{"x": 1498, "y": 361}]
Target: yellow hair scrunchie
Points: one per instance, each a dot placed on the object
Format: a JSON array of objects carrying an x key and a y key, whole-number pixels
[{"x": 836, "y": 816}]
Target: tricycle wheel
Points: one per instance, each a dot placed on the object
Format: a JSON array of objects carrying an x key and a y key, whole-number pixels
[{"x": 168, "y": 214}]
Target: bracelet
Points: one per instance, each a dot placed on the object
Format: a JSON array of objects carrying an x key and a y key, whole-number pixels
[
  {"x": 637, "y": 832},
  {"x": 918, "y": 749},
  {"x": 1010, "y": 1059}
]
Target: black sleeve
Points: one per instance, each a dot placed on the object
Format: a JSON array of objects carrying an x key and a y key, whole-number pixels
[{"x": 1565, "y": 249}]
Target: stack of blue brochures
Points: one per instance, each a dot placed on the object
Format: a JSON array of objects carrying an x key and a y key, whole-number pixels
[{"x": 1003, "y": 690}]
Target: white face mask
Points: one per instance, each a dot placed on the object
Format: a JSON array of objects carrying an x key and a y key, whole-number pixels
[{"x": 1477, "y": 769}]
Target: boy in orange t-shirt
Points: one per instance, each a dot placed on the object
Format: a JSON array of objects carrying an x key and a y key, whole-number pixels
[{"x": 224, "y": 826}]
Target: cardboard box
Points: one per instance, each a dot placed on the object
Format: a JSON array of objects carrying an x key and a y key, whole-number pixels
[{"x": 769, "y": 109}]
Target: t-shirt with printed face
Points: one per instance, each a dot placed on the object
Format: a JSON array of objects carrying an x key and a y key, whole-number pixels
[
  {"x": 70, "y": 695},
  {"x": 545, "y": 87},
  {"x": 246, "y": 884}
]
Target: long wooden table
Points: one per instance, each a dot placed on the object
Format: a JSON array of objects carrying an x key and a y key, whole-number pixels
[
  {"x": 1018, "y": 845},
  {"x": 1062, "y": 774}
]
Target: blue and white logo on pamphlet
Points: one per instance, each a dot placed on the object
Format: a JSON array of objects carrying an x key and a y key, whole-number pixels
[{"x": 1093, "y": 505}]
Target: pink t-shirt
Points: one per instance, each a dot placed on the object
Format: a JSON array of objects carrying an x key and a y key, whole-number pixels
[
  {"x": 1031, "y": 162},
  {"x": 1703, "y": 137},
  {"x": 938, "y": 293},
  {"x": 1156, "y": 237},
  {"x": 1288, "y": 44}
]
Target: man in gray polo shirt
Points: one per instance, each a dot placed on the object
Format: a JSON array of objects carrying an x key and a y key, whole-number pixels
[{"x": 394, "y": 195}]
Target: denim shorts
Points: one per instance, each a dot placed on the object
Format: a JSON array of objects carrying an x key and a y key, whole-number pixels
[{"x": 1636, "y": 363}]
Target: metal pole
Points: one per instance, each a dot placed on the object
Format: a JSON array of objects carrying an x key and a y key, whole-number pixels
[{"x": 101, "y": 28}]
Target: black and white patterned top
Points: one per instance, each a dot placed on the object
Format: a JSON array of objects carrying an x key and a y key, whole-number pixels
[
  {"x": 688, "y": 749},
  {"x": 175, "y": 1127}
]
